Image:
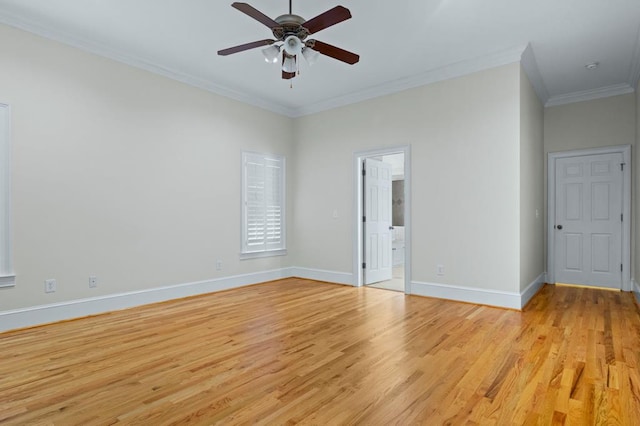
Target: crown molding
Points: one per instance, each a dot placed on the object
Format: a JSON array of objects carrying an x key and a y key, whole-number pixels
[
  {"x": 141, "y": 63},
  {"x": 454, "y": 70},
  {"x": 457, "y": 69},
  {"x": 589, "y": 95},
  {"x": 523, "y": 54},
  {"x": 607, "y": 91}
]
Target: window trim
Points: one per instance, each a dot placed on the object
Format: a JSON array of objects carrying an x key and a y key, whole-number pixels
[
  {"x": 245, "y": 253},
  {"x": 7, "y": 275}
]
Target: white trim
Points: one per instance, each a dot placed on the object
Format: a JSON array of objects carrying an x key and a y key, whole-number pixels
[
  {"x": 7, "y": 277},
  {"x": 532, "y": 289},
  {"x": 358, "y": 257},
  {"x": 625, "y": 150},
  {"x": 589, "y": 95},
  {"x": 447, "y": 72},
  {"x": 267, "y": 253},
  {"x": 73, "y": 309},
  {"x": 141, "y": 63},
  {"x": 7, "y": 281},
  {"x": 530, "y": 67},
  {"x": 634, "y": 69},
  {"x": 322, "y": 275},
  {"x": 501, "y": 299},
  {"x": 37, "y": 315}
]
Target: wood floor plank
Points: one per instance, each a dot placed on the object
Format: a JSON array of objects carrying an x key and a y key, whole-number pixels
[{"x": 298, "y": 351}]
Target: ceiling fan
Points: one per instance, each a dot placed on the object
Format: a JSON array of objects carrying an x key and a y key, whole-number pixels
[{"x": 293, "y": 30}]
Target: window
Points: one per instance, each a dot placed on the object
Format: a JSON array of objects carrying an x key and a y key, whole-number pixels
[
  {"x": 263, "y": 205},
  {"x": 7, "y": 278}
]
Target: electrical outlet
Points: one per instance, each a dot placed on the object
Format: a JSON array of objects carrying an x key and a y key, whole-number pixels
[
  {"x": 218, "y": 265},
  {"x": 50, "y": 286},
  {"x": 440, "y": 270},
  {"x": 93, "y": 281}
]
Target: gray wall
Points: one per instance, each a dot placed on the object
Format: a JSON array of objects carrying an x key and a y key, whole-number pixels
[
  {"x": 135, "y": 178},
  {"x": 122, "y": 174},
  {"x": 464, "y": 135},
  {"x": 531, "y": 184}
]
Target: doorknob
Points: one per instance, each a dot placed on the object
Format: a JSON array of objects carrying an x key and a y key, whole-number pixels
[
  {"x": 559, "y": 226},
  {"x": 391, "y": 228}
]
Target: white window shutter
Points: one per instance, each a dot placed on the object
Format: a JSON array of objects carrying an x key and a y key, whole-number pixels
[{"x": 263, "y": 203}]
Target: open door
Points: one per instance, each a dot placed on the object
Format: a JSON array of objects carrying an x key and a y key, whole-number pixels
[{"x": 377, "y": 221}]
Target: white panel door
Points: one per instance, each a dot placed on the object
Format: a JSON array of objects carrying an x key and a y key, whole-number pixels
[
  {"x": 588, "y": 226},
  {"x": 377, "y": 225}
]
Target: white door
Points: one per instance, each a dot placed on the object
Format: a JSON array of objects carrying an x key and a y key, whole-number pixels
[
  {"x": 588, "y": 220},
  {"x": 377, "y": 221}
]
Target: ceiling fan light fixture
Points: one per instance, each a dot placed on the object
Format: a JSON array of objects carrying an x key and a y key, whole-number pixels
[
  {"x": 289, "y": 63},
  {"x": 293, "y": 45},
  {"x": 289, "y": 34},
  {"x": 271, "y": 54},
  {"x": 310, "y": 55}
]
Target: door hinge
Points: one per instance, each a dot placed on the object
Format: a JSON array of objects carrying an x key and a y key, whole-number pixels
[
  {"x": 364, "y": 219},
  {"x": 364, "y": 172},
  {"x": 621, "y": 217},
  {"x": 621, "y": 267},
  {"x": 622, "y": 167},
  {"x": 364, "y": 265}
]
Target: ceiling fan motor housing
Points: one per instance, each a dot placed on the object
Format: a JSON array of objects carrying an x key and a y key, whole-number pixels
[{"x": 290, "y": 25}]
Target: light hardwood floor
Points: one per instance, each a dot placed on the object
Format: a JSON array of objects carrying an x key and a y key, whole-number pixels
[
  {"x": 298, "y": 351},
  {"x": 396, "y": 283}
]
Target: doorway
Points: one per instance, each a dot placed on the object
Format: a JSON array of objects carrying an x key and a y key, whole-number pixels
[
  {"x": 382, "y": 238},
  {"x": 589, "y": 217}
]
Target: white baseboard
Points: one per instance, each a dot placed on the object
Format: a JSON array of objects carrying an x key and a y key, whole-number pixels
[
  {"x": 501, "y": 299},
  {"x": 37, "y": 315},
  {"x": 323, "y": 275},
  {"x": 527, "y": 294}
]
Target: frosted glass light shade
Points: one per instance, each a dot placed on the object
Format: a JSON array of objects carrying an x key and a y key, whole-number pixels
[
  {"x": 292, "y": 45},
  {"x": 289, "y": 64},
  {"x": 310, "y": 55},
  {"x": 271, "y": 54}
]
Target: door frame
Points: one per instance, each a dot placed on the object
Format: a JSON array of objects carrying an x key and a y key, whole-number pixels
[
  {"x": 625, "y": 150},
  {"x": 358, "y": 255}
]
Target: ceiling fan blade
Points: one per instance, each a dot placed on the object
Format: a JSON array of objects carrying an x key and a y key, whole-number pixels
[
  {"x": 327, "y": 19},
  {"x": 334, "y": 52},
  {"x": 247, "y": 46},
  {"x": 255, "y": 14}
]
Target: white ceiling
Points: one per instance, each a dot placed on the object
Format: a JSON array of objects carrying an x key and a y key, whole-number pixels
[{"x": 401, "y": 43}]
